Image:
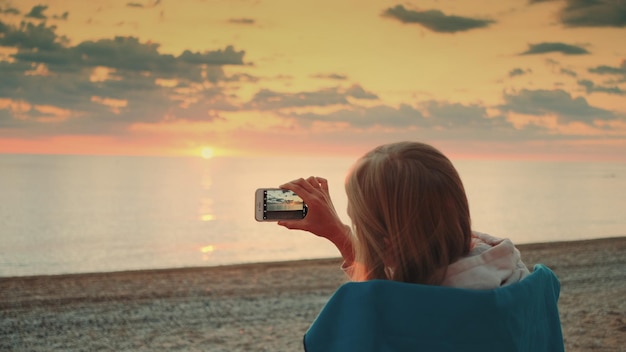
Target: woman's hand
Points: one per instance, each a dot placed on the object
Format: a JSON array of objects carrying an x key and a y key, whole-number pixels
[{"x": 321, "y": 219}]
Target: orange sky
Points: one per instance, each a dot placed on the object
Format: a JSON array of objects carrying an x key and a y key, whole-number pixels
[{"x": 490, "y": 78}]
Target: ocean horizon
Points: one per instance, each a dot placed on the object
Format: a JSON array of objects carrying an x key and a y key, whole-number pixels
[{"x": 63, "y": 214}]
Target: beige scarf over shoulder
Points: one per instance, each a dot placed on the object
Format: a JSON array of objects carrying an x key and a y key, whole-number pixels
[{"x": 491, "y": 263}]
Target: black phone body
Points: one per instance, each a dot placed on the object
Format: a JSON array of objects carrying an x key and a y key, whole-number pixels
[{"x": 274, "y": 204}]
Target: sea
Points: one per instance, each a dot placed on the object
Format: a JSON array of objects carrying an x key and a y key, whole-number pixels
[{"x": 63, "y": 214}]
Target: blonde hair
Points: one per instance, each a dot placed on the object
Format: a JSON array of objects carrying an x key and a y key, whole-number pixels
[{"x": 409, "y": 213}]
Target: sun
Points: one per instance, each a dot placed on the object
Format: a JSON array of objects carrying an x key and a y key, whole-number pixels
[{"x": 207, "y": 152}]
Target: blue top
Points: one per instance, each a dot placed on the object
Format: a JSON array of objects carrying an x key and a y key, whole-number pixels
[{"x": 382, "y": 315}]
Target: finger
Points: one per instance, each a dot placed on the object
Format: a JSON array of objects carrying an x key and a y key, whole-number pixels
[
  {"x": 301, "y": 184},
  {"x": 312, "y": 180},
  {"x": 323, "y": 183},
  {"x": 296, "y": 181},
  {"x": 287, "y": 184},
  {"x": 295, "y": 185}
]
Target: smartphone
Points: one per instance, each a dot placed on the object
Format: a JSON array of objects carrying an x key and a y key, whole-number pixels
[{"x": 273, "y": 204}]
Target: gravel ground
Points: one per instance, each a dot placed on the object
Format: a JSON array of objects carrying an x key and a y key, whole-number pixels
[{"x": 268, "y": 306}]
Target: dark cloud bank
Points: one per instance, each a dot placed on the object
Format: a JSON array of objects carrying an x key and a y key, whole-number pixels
[
  {"x": 590, "y": 13},
  {"x": 135, "y": 68},
  {"x": 436, "y": 20},
  {"x": 554, "y": 47}
]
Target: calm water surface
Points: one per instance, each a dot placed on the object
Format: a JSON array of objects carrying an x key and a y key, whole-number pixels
[{"x": 70, "y": 214}]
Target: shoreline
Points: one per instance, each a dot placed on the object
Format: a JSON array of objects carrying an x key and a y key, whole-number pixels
[
  {"x": 522, "y": 247},
  {"x": 267, "y": 306}
]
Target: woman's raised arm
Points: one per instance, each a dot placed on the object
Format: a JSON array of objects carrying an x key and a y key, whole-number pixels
[{"x": 321, "y": 219}]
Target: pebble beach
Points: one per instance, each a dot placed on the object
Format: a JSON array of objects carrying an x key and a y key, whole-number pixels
[{"x": 267, "y": 306}]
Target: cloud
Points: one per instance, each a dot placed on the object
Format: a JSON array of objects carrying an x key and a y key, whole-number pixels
[
  {"x": 544, "y": 48},
  {"x": 594, "y": 13},
  {"x": 37, "y": 12},
  {"x": 141, "y": 6},
  {"x": 139, "y": 99},
  {"x": 611, "y": 70},
  {"x": 72, "y": 90},
  {"x": 125, "y": 53},
  {"x": 436, "y": 20},
  {"x": 10, "y": 11},
  {"x": 31, "y": 36},
  {"x": 228, "y": 56},
  {"x": 63, "y": 17},
  {"x": 554, "y": 102},
  {"x": 568, "y": 72},
  {"x": 440, "y": 116},
  {"x": 356, "y": 91},
  {"x": 39, "y": 44},
  {"x": 122, "y": 53},
  {"x": 456, "y": 115},
  {"x": 518, "y": 72},
  {"x": 604, "y": 70},
  {"x": 590, "y": 87},
  {"x": 590, "y": 13},
  {"x": 6, "y": 119},
  {"x": 363, "y": 118},
  {"x": 556, "y": 67},
  {"x": 107, "y": 85},
  {"x": 334, "y": 76},
  {"x": 266, "y": 99},
  {"x": 242, "y": 20}
]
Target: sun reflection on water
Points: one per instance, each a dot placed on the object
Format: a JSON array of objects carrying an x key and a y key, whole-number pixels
[
  {"x": 207, "y": 217},
  {"x": 205, "y": 209},
  {"x": 206, "y": 251}
]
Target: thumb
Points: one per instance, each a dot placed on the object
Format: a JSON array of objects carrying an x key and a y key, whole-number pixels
[{"x": 292, "y": 225}]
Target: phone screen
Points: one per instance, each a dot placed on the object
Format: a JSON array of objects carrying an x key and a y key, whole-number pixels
[{"x": 282, "y": 204}]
